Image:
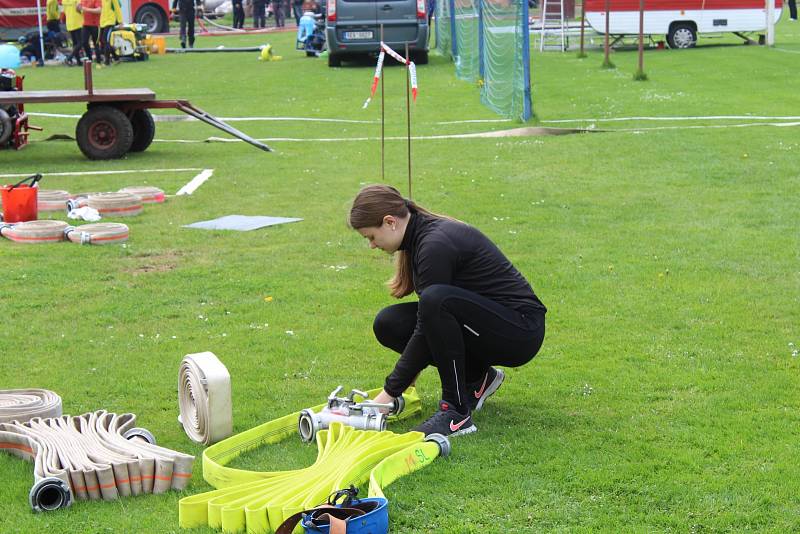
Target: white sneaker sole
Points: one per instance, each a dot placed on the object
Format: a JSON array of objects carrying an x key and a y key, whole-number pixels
[
  {"x": 468, "y": 430},
  {"x": 491, "y": 388}
]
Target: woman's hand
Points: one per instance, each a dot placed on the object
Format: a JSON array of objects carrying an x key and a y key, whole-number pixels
[{"x": 384, "y": 398}]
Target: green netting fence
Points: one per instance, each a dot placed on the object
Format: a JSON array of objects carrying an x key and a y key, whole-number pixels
[{"x": 489, "y": 41}]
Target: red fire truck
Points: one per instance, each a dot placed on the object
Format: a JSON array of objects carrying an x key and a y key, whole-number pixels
[{"x": 18, "y": 17}]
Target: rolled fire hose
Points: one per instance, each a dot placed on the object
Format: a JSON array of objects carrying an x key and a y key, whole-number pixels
[
  {"x": 24, "y": 404},
  {"x": 260, "y": 501},
  {"x": 98, "y": 234},
  {"x": 116, "y": 204},
  {"x": 79, "y": 200},
  {"x": 149, "y": 195},
  {"x": 34, "y": 232},
  {"x": 52, "y": 200},
  {"x": 204, "y": 398},
  {"x": 93, "y": 456}
]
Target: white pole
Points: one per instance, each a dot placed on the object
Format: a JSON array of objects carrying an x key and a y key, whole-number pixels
[
  {"x": 41, "y": 35},
  {"x": 770, "y": 22}
]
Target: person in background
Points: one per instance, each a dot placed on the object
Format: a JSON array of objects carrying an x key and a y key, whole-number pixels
[
  {"x": 187, "y": 10},
  {"x": 91, "y": 10},
  {"x": 110, "y": 16},
  {"x": 51, "y": 11},
  {"x": 297, "y": 10},
  {"x": 74, "y": 20},
  {"x": 793, "y": 10},
  {"x": 238, "y": 13},
  {"x": 279, "y": 9},
  {"x": 259, "y": 13},
  {"x": 475, "y": 309}
]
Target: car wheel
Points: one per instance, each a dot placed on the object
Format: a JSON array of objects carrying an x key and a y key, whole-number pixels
[
  {"x": 334, "y": 60},
  {"x": 420, "y": 57},
  {"x": 682, "y": 35}
]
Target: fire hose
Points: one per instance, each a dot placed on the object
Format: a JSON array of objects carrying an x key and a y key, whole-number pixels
[
  {"x": 24, "y": 404},
  {"x": 52, "y": 200},
  {"x": 33, "y": 232},
  {"x": 260, "y": 501},
  {"x": 148, "y": 194},
  {"x": 204, "y": 397},
  {"x": 93, "y": 456},
  {"x": 116, "y": 204}
]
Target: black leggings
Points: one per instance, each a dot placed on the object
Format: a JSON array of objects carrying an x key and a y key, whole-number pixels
[
  {"x": 466, "y": 333},
  {"x": 91, "y": 32},
  {"x": 77, "y": 44}
]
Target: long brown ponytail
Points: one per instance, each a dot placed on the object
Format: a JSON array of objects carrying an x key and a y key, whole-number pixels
[{"x": 371, "y": 205}]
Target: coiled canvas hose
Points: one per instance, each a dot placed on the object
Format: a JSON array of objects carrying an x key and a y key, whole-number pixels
[
  {"x": 116, "y": 204},
  {"x": 52, "y": 200},
  {"x": 23, "y": 404},
  {"x": 204, "y": 398},
  {"x": 79, "y": 200},
  {"x": 98, "y": 234},
  {"x": 34, "y": 232},
  {"x": 92, "y": 456},
  {"x": 149, "y": 195},
  {"x": 259, "y": 502}
]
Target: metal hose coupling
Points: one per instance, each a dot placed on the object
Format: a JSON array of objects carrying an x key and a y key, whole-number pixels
[
  {"x": 140, "y": 434},
  {"x": 310, "y": 423},
  {"x": 443, "y": 443},
  {"x": 49, "y": 494}
]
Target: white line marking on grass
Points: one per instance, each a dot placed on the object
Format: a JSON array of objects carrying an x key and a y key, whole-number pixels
[
  {"x": 705, "y": 126},
  {"x": 195, "y": 182},
  {"x": 83, "y": 173},
  {"x": 709, "y": 117},
  {"x": 787, "y": 51}
]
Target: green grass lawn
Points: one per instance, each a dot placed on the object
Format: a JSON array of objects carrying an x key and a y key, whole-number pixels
[{"x": 665, "y": 396}]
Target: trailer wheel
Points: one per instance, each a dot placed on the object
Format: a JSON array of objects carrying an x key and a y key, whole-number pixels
[
  {"x": 104, "y": 132},
  {"x": 682, "y": 35},
  {"x": 144, "y": 129},
  {"x": 6, "y": 127}
]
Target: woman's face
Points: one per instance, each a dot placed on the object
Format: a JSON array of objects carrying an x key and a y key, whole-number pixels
[{"x": 386, "y": 237}]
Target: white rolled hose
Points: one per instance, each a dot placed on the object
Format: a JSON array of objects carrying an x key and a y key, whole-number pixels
[
  {"x": 98, "y": 234},
  {"x": 148, "y": 194},
  {"x": 24, "y": 404},
  {"x": 116, "y": 204},
  {"x": 204, "y": 398},
  {"x": 52, "y": 200},
  {"x": 34, "y": 232}
]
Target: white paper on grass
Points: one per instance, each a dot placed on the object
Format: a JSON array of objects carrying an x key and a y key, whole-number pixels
[
  {"x": 242, "y": 223},
  {"x": 86, "y": 213}
]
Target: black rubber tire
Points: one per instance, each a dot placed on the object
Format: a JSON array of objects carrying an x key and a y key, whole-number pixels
[
  {"x": 153, "y": 17},
  {"x": 681, "y": 36},
  {"x": 6, "y": 127},
  {"x": 104, "y": 132},
  {"x": 334, "y": 60},
  {"x": 144, "y": 129},
  {"x": 420, "y": 57}
]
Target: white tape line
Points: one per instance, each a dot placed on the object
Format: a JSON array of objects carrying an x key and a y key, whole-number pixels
[
  {"x": 196, "y": 182},
  {"x": 697, "y": 118},
  {"x": 89, "y": 173}
]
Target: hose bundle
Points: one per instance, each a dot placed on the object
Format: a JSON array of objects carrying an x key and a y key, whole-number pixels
[
  {"x": 34, "y": 232},
  {"x": 98, "y": 234},
  {"x": 52, "y": 200},
  {"x": 148, "y": 194},
  {"x": 92, "y": 456},
  {"x": 204, "y": 398},
  {"x": 24, "y": 404},
  {"x": 79, "y": 200},
  {"x": 116, "y": 204}
]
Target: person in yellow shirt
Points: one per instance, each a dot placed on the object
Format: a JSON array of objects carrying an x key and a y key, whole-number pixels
[
  {"x": 51, "y": 12},
  {"x": 74, "y": 19},
  {"x": 110, "y": 16}
]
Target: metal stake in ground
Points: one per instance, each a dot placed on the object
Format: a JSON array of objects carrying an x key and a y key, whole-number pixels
[{"x": 408, "y": 118}]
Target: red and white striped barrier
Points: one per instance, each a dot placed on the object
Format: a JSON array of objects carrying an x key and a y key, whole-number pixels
[{"x": 412, "y": 70}]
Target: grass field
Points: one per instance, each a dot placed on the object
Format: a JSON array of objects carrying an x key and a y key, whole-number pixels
[{"x": 665, "y": 398}]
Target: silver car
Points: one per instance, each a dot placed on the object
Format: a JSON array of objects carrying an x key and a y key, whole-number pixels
[{"x": 353, "y": 28}]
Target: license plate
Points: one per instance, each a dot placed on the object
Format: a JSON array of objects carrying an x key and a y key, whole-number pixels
[{"x": 357, "y": 35}]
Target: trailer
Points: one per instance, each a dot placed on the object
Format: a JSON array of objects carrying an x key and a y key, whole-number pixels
[
  {"x": 680, "y": 21},
  {"x": 117, "y": 121}
]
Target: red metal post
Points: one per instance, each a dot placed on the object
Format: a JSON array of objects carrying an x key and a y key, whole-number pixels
[{"x": 87, "y": 76}]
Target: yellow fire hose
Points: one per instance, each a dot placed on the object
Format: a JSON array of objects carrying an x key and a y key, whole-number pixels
[{"x": 258, "y": 502}]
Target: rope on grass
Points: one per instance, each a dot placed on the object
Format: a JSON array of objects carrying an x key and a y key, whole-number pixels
[
  {"x": 52, "y": 200},
  {"x": 116, "y": 204},
  {"x": 98, "y": 234},
  {"x": 35, "y": 232},
  {"x": 24, "y": 404},
  {"x": 149, "y": 195}
]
